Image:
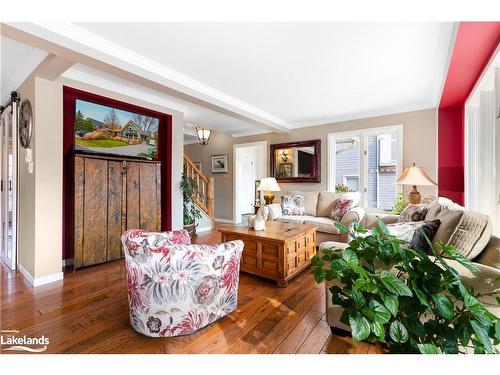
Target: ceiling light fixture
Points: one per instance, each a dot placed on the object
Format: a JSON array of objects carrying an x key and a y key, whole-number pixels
[{"x": 203, "y": 135}]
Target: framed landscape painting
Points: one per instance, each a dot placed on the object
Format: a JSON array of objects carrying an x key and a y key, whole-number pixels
[
  {"x": 219, "y": 163},
  {"x": 102, "y": 129}
]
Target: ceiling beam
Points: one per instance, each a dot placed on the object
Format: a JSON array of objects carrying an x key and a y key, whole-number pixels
[{"x": 74, "y": 44}]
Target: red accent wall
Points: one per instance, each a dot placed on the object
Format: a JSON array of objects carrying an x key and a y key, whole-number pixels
[
  {"x": 164, "y": 155},
  {"x": 475, "y": 43}
]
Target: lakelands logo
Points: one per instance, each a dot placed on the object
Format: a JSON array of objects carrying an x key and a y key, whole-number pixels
[{"x": 10, "y": 340}]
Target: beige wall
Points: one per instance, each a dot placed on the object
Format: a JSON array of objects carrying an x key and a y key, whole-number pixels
[
  {"x": 40, "y": 192},
  {"x": 419, "y": 146}
]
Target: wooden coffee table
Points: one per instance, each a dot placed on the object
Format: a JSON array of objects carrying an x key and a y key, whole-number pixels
[{"x": 278, "y": 253}]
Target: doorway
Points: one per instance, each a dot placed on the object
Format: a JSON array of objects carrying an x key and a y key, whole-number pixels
[
  {"x": 249, "y": 167},
  {"x": 8, "y": 185}
]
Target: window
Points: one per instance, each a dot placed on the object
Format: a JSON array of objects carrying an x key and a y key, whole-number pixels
[
  {"x": 352, "y": 182},
  {"x": 368, "y": 161}
]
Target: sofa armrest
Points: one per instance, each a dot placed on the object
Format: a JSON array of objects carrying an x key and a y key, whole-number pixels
[
  {"x": 354, "y": 215},
  {"x": 274, "y": 211},
  {"x": 372, "y": 219},
  {"x": 490, "y": 256}
]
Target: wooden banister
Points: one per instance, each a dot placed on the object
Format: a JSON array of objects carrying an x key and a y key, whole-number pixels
[{"x": 204, "y": 197}]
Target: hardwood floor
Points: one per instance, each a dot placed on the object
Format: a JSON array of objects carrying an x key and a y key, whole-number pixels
[{"x": 87, "y": 312}]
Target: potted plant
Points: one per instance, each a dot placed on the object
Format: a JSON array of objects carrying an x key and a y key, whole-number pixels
[
  {"x": 189, "y": 188},
  {"x": 403, "y": 299}
]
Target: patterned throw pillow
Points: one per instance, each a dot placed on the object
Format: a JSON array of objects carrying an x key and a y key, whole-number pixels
[
  {"x": 293, "y": 205},
  {"x": 413, "y": 212},
  {"x": 427, "y": 229},
  {"x": 340, "y": 208}
]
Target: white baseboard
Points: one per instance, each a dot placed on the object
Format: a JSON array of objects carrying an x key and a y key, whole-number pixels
[
  {"x": 40, "y": 280},
  {"x": 203, "y": 229},
  {"x": 224, "y": 221}
]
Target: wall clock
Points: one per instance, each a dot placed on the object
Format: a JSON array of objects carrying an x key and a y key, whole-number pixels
[{"x": 25, "y": 123}]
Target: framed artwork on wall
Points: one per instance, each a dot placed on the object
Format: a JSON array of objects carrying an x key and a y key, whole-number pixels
[{"x": 219, "y": 163}]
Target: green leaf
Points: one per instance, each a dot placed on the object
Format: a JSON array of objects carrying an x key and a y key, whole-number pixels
[
  {"x": 318, "y": 276},
  {"x": 398, "y": 332},
  {"x": 360, "y": 326},
  {"x": 422, "y": 298},
  {"x": 432, "y": 284},
  {"x": 464, "y": 332},
  {"x": 377, "y": 312},
  {"x": 350, "y": 258},
  {"x": 378, "y": 330},
  {"x": 426, "y": 265},
  {"x": 342, "y": 228},
  {"x": 428, "y": 349},
  {"x": 444, "y": 306},
  {"x": 357, "y": 297},
  {"x": 338, "y": 265},
  {"x": 382, "y": 226},
  {"x": 394, "y": 285},
  {"x": 316, "y": 261},
  {"x": 497, "y": 330},
  {"x": 482, "y": 335},
  {"x": 391, "y": 302}
]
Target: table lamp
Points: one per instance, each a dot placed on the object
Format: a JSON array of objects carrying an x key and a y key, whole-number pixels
[
  {"x": 415, "y": 176},
  {"x": 268, "y": 185}
]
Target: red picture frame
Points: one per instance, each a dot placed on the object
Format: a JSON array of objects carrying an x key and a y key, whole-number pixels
[{"x": 70, "y": 95}]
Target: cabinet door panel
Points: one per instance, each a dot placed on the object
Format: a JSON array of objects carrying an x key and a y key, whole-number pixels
[
  {"x": 115, "y": 191},
  {"x": 147, "y": 185},
  {"x": 133, "y": 195},
  {"x": 95, "y": 212}
]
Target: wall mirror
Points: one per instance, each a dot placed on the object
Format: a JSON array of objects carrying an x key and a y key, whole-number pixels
[{"x": 296, "y": 161}]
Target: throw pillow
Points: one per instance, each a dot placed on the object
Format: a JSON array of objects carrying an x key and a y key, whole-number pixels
[
  {"x": 340, "y": 208},
  {"x": 427, "y": 229},
  {"x": 407, "y": 213},
  {"x": 293, "y": 205}
]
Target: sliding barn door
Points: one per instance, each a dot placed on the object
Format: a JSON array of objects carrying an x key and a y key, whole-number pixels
[{"x": 112, "y": 196}]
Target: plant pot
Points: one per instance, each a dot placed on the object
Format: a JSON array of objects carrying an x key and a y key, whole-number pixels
[{"x": 191, "y": 228}]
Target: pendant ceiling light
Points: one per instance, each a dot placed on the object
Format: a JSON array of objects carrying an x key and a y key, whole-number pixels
[{"x": 203, "y": 135}]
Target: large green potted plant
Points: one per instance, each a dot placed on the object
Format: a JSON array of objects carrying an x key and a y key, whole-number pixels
[
  {"x": 189, "y": 188},
  {"x": 404, "y": 300}
]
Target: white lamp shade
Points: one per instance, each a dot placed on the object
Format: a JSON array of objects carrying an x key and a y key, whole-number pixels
[
  {"x": 268, "y": 184},
  {"x": 415, "y": 176}
]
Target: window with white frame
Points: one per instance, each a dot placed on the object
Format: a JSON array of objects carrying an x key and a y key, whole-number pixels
[{"x": 367, "y": 161}]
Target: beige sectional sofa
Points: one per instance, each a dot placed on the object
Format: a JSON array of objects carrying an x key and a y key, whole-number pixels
[
  {"x": 471, "y": 235},
  {"x": 318, "y": 206}
]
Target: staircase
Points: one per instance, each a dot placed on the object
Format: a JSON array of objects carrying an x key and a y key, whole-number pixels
[{"x": 204, "y": 198}]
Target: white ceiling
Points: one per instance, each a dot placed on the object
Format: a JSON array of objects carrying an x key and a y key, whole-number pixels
[
  {"x": 17, "y": 63},
  {"x": 302, "y": 74},
  {"x": 251, "y": 78}
]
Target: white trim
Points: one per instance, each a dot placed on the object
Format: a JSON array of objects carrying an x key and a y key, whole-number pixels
[
  {"x": 40, "y": 280},
  {"x": 225, "y": 221},
  {"x": 362, "y": 135},
  {"x": 98, "y": 52},
  {"x": 203, "y": 229},
  {"x": 236, "y": 215}
]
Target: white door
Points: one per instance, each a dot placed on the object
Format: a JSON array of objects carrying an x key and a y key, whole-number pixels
[
  {"x": 249, "y": 166},
  {"x": 8, "y": 186}
]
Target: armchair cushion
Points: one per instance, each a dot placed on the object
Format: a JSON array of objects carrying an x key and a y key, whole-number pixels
[
  {"x": 176, "y": 289},
  {"x": 325, "y": 225}
]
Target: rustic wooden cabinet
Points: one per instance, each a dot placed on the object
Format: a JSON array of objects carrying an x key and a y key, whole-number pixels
[
  {"x": 112, "y": 196},
  {"x": 278, "y": 253}
]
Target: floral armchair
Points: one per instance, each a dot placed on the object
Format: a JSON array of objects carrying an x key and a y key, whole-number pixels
[{"x": 176, "y": 288}]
